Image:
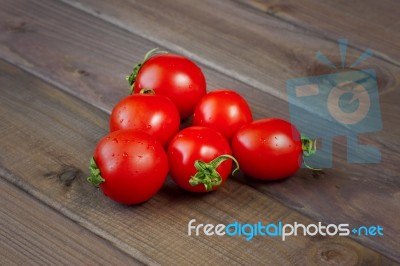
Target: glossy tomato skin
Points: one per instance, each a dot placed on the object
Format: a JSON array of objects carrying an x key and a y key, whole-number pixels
[
  {"x": 133, "y": 164},
  {"x": 223, "y": 110},
  {"x": 173, "y": 76},
  {"x": 154, "y": 114},
  {"x": 197, "y": 143},
  {"x": 268, "y": 149}
]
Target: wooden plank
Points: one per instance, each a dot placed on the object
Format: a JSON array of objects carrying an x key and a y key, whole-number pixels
[
  {"x": 366, "y": 24},
  {"x": 48, "y": 137},
  {"x": 48, "y": 39},
  {"x": 34, "y": 234}
]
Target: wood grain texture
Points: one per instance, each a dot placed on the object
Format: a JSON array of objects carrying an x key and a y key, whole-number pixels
[
  {"x": 366, "y": 24},
  {"x": 48, "y": 138},
  {"x": 259, "y": 50},
  {"x": 89, "y": 58},
  {"x": 31, "y": 233}
]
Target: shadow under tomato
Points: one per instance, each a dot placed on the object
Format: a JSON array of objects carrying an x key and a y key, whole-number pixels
[{"x": 172, "y": 191}]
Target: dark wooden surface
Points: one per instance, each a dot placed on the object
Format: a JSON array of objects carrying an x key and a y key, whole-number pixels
[
  {"x": 62, "y": 68},
  {"x": 33, "y": 232}
]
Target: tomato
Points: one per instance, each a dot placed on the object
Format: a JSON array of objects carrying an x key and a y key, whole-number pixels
[
  {"x": 268, "y": 149},
  {"x": 223, "y": 110},
  {"x": 199, "y": 159},
  {"x": 129, "y": 165},
  {"x": 154, "y": 114},
  {"x": 173, "y": 76}
]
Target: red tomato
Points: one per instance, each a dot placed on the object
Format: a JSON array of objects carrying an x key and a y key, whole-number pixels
[
  {"x": 268, "y": 149},
  {"x": 129, "y": 165},
  {"x": 223, "y": 110},
  {"x": 154, "y": 114},
  {"x": 198, "y": 143},
  {"x": 173, "y": 76}
]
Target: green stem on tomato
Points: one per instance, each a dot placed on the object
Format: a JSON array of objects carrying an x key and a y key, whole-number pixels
[
  {"x": 131, "y": 78},
  {"x": 309, "y": 147},
  {"x": 207, "y": 172},
  {"x": 95, "y": 178}
]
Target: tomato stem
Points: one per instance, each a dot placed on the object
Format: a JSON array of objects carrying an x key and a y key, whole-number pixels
[
  {"x": 147, "y": 91},
  {"x": 207, "y": 172},
  {"x": 131, "y": 78},
  {"x": 309, "y": 147},
  {"x": 95, "y": 178}
]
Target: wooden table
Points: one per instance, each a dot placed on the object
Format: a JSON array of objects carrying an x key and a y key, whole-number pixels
[{"x": 62, "y": 68}]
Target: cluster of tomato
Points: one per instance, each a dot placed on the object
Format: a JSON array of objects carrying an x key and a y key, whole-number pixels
[{"x": 145, "y": 142}]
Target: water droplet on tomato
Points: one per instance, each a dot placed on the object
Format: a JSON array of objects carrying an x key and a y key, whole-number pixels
[
  {"x": 122, "y": 120},
  {"x": 148, "y": 126},
  {"x": 125, "y": 155},
  {"x": 140, "y": 156}
]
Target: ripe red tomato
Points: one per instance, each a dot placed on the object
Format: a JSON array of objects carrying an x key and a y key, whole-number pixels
[
  {"x": 173, "y": 76},
  {"x": 204, "y": 144},
  {"x": 129, "y": 165},
  {"x": 268, "y": 149},
  {"x": 223, "y": 110},
  {"x": 154, "y": 114}
]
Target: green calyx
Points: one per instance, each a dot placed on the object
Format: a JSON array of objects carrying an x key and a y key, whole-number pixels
[
  {"x": 95, "y": 178},
  {"x": 207, "y": 172},
  {"x": 132, "y": 77},
  {"x": 309, "y": 147}
]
